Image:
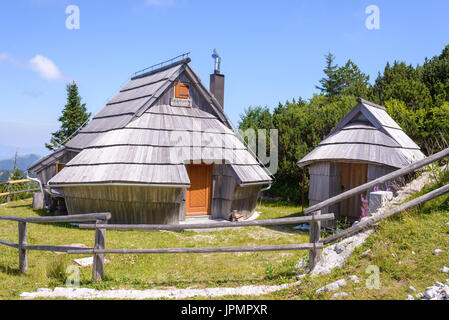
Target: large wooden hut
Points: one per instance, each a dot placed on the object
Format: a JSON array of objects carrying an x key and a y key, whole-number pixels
[
  {"x": 365, "y": 145},
  {"x": 161, "y": 150}
]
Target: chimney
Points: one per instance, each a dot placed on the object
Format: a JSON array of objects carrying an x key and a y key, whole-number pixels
[{"x": 217, "y": 80}]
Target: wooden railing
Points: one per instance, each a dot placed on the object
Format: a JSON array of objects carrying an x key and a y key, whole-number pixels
[
  {"x": 314, "y": 246},
  {"x": 9, "y": 192},
  {"x": 23, "y": 246}
]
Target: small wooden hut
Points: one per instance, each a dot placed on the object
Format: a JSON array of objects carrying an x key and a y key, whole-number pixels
[
  {"x": 161, "y": 150},
  {"x": 365, "y": 145}
]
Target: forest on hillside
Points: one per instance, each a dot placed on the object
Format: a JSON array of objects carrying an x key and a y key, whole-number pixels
[{"x": 416, "y": 97}]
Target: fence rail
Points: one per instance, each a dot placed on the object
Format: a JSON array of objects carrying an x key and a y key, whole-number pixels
[{"x": 10, "y": 183}]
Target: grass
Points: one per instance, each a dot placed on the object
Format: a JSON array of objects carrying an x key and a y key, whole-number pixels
[
  {"x": 46, "y": 269},
  {"x": 401, "y": 248}
]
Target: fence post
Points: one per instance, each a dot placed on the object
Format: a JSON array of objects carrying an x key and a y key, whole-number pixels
[
  {"x": 23, "y": 259},
  {"x": 8, "y": 197},
  {"x": 314, "y": 237},
  {"x": 98, "y": 263}
]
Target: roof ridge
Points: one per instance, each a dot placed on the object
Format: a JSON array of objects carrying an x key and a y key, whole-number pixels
[
  {"x": 146, "y": 74},
  {"x": 372, "y": 104}
]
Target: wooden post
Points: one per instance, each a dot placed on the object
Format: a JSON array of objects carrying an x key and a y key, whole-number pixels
[
  {"x": 314, "y": 237},
  {"x": 23, "y": 259},
  {"x": 98, "y": 263},
  {"x": 8, "y": 197}
]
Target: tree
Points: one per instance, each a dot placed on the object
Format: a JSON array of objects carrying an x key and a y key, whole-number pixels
[
  {"x": 352, "y": 81},
  {"x": 329, "y": 83},
  {"x": 74, "y": 116}
]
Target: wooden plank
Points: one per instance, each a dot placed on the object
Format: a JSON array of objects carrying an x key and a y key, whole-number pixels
[
  {"x": 25, "y": 191},
  {"x": 11, "y": 218},
  {"x": 18, "y": 181},
  {"x": 398, "y": 173},
  {"x": 269, "y": 222},
  {"x": 23, "y": 259},
  {"x": 69, "y": 218},
  {"x": 314, "y": 237},
  {"x": 51, "y": 248},
  {"x": 98, "y": 263},
  {"x": 283, "y": 247},
  {"x": 9, "y": 244},
  {"x": 372, "y": 220}
]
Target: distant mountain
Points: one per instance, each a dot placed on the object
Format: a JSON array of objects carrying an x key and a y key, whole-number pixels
[
  {"x": 4, "y": 175},
  {"x": 23, "y": 162}
]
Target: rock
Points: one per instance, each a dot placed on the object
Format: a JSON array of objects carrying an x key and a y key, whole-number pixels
[
  {"x": 339, "y": 295},
  {"x": 447, "y": 224},
  {"x": 339, "y": 247},
  {"x": 437, "y": 251},
  {"x": 87, "y": 262},
  {"x": 409, "y": 297},
  {"x": 334, "y": 286},
  {"x": 330, "y": 259},
  {"x": 430, "y": 293},
  {"x": 446, "y": 292},
  {"x": 444, "y": 269},
  {"x": 419, "y": 295},
  {"x": 411, "y": 289},
  {"x": 365, "y": 253},
  {"x": 438, "y": 284},
  {"x": 354, "y": 279}
]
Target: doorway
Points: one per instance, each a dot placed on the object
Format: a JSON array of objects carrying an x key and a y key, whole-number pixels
[
  {"x": 352, "y": 175},
  {"x": 198, "y": 196}
]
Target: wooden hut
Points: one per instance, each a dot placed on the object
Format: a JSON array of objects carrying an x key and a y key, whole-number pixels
[
  {"x": 161, "y": 150},
  {"x": 365, "y": 145}
]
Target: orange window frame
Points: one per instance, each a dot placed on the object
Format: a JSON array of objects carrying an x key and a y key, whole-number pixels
[{"x": 182, "y": 90}]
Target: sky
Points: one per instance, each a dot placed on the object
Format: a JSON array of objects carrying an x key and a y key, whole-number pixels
[{"x": 272, "y": 51}]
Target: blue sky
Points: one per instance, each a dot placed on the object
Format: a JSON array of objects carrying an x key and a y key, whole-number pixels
[{"x": 271, "y": 50}]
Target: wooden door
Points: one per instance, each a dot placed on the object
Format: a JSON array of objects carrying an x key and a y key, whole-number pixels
[
  {"x": 198, "y": 196},
  {"x": 352, "y": 175}
]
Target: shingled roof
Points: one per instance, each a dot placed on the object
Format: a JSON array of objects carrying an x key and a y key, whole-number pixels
[
  {"x": 366, "y": 134},
  {"x": 134, "y": 140}
]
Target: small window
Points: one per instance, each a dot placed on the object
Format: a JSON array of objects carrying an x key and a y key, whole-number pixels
[
  {"x": 182, "y": 90},
  {"x": 59, "y": 167}
]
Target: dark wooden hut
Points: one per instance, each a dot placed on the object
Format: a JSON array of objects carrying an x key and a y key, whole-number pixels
[
  {"x": 161, "y": 150},
  {"x": 365, "y": 145}
]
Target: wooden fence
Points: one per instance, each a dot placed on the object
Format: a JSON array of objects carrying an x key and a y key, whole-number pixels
[
  {"x": 9, "y": 188},
  {"x": 23, "y": 246},
  {"x": 99, "y": 250}
]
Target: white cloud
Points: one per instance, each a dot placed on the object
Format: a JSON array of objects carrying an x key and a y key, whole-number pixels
[
  {"x": 45, "y": 67},
  {"x": 159, "y": 2}
]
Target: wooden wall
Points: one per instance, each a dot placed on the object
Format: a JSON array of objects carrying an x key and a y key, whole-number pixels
[
  {"x": 197, "y": 100},
  {"x": 50, "y": 171},
  {"x": 324, "y": 184},
  {"x": 127, "y": 204}
]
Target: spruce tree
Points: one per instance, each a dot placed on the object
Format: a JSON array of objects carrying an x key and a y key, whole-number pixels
[
  {"x": 74, "y": 115},
  {"x": 329, "y": 83}
]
